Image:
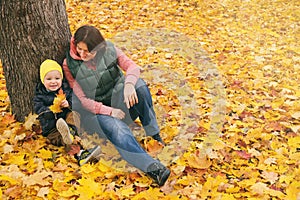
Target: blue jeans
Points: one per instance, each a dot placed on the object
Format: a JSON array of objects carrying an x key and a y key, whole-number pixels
[{"x": 118, "y": 131}]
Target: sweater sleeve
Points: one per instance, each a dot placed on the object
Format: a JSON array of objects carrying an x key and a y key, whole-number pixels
[
  {"x": 89, "y": 104},
  {"x": 39, "y": 104},
  {"x": 131, "y": 68}
]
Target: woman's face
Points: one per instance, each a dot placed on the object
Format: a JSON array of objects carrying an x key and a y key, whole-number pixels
[{"x": 83, "y": 51}]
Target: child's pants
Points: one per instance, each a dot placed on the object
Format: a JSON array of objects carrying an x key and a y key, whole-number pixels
[{"x": 55, "y": 138}]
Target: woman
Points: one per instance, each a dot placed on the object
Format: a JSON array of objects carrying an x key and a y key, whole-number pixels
[{"x": 109, "y": 100}]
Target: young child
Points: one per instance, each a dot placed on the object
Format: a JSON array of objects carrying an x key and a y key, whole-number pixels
[{"x": 60, "y": 128}]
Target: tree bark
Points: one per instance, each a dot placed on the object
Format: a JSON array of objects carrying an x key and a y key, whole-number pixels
[{"x": 31, "y": 31}]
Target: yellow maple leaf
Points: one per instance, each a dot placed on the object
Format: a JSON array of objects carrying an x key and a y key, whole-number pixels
[
  {"x": 48, "y": 164},
  {"x": 38, "y": 178},
  {"x": 30, "y": 120},
  {"x": 55, "y": 108},
  {"x": 3, "y": 142},
  {"x": 68, "y": 193},
  {"x": 198, "y": 161},
  {"x": 31, "y": 165},
  {"x": 45, "y": 154},
  {"x": 17, "y": 159},
  {"x": 293, "y": 190},
  {"x": 151, "y": 193},
  {"x": 87, "y": 169},
  {"x": 104, "y": 166},
  {"x": 294, "y": 141},
  {"x": 127, "y": 191},
  {"x": 233, "y": 189},
  {"x": 59, "y": 185},
  {"x": 89, "y": 188},
  {"x": 9, "y": 179},
  {"x": 153, "y": 146}
]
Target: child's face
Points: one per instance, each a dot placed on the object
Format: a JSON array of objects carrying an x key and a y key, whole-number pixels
[{"x": 53, "y": 80}]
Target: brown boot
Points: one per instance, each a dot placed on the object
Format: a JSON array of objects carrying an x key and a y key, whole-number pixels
[{"x": 73, "y": 118}]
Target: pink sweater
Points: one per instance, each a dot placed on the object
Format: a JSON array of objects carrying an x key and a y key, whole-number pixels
[{"x": 132, "y": 74}]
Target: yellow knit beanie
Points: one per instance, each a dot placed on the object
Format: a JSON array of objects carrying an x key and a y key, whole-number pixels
[{"x": 47, "y": 66}]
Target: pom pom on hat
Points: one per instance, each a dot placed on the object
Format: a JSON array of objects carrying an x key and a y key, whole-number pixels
[{"x": 47, "y": 66}]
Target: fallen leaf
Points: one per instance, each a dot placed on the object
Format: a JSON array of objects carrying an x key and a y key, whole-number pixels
[
  {"x": 37, "y": 178},
  {"x": 244, "y": 154},
  {"x": 198, "y": 161},
  {"x": 259, "y": 188},
  {"x": 272, "y": 177},
  {"x": 43, "y": 192},
  {"x": 296, "y": 115},
  {"x": 56, "y": 108},
  {"x": 30, "y": 120}
]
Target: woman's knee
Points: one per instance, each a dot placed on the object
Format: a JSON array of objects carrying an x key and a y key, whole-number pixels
[{"x": 142, "y": 90}]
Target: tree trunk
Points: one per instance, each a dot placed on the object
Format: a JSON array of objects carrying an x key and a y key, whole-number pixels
[{"x": 31, "y": 31}]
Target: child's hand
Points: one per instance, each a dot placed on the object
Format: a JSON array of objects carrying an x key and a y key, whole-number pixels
[{"x": 64, "y": 104}]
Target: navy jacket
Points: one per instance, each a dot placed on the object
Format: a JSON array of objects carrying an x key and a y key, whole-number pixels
[{"x": 42, "y": 100}]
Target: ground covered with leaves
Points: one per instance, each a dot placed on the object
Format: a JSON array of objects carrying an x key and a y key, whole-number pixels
[{"x": 224, "y": 76}]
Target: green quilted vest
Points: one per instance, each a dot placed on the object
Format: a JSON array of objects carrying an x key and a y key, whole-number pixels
[{"x": 97, "y": 84}]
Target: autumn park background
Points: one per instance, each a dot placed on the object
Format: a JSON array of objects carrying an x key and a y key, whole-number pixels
[{"x": 228, "y": 105}]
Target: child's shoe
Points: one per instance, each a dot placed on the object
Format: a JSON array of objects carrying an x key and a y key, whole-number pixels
[
  {"x": 64, "y": 130},
  {"x": 73, "y": 118},
  {"x": 88, "y": 155}
]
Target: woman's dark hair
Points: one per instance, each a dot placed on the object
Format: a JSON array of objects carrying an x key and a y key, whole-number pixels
[{"x": 91, "y": 36}]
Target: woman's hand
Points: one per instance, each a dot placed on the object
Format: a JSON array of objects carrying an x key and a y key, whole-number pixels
[
  {"x": 64, "y": 104},
  {"x": 117, "y": 113},
  {"x": 130, "y": 96}
]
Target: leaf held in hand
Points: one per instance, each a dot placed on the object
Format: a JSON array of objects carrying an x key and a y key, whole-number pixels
[{"x": 56, "y": 108}]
